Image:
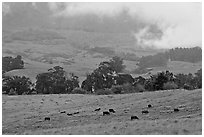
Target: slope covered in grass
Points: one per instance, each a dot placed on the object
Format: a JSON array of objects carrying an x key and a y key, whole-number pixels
[{"x": 25, "y": 114}]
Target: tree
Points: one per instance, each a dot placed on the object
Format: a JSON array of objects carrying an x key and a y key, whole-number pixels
[
  {"x": 116, "y": 63},
  {"x": 198, "y": 78},
  {"x": 100, "y": 78},
  {"x": 17, "y": 84},
  {"x": 9, "y": 63},
  {"x": 55, "y": 81}
]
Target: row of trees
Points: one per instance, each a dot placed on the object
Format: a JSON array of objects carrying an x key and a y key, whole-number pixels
[
  {"x": 106, "y": 79},
  {"x": 192, "y": 55},
  {"x": 56, "y": 81},
  {"x": 10, "y": 63}
]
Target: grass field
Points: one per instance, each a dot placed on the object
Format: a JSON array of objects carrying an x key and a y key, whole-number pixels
[{"x": 25, "y": 114}]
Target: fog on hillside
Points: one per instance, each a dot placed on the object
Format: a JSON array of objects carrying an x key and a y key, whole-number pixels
[{"x": 101, "y": 68}]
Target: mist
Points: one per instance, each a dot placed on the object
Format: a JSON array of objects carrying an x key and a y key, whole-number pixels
[{"x": 180, "y": 23}]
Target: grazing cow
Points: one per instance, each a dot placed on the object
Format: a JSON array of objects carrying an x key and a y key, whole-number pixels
[
  {"x": 176, "y": 110},
  {"x": 134, "y": 117},
  {"x": 47, "y": 118},
  {"x": 145, "y": 111},
  {"x": 106, "y": 113},
  {"x": 112, "y": 110},
  {"x": 63, "y": 112},
  {"x": 149, "y": 106},
  {"x": 76, "y": 113},
  {"x": 69, "y": 114},
  {"x": 98, "y": 109}
]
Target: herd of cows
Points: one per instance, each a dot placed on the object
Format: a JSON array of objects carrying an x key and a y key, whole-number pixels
[{"x": 111, "y": 111}]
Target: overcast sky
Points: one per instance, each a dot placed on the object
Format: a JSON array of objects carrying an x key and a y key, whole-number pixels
[{"x": 181, "y": 22}]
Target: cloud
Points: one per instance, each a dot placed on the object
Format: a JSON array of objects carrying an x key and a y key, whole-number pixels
[{"x": 181, "y": 23}]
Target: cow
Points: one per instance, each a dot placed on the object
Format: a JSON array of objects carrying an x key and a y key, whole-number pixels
[
  {"x": 145, "y": 111},
  {"x": 149, "y": 106},
  {"x": 106, "y": 113},
  {"x": 176, "y": 110},
  {"x": 47, "y": 118},
  {"x": 76, "y": 113},
  {"x": 69, "y": 114},
  {"x": 63, "y": 112},
  {"x": 98, "y": 109},
  {"x": 112, "y": 110},
  {"x": 134, "y": 117}
]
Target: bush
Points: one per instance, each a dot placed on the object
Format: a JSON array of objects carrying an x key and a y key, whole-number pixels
[
  {"x": 12, "y": 92},
  {"x": 170, "y": 85},
  {"x": 104, "y": 92},
  {"x": 128, "y": 88},
  {"x": 78, "y": 91},
  {"x": 117, "y": 89},
  {"x": 188, "y": 87},
  {"x": 139, "y": 88},
  {"x": 16, "y": 85}
]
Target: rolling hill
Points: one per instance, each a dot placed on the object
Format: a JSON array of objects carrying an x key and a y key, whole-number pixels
[{"x": 25, "y": 114}]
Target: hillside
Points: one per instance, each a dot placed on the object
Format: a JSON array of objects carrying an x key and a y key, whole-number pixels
[{"x": 25, "y": 114}]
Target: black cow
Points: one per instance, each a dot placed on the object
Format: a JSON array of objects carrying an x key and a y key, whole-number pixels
[
  {"x": 69, "y": 114},
  {"x": 47, "y": 118},
  {"x": 63, "y": 112},
  {"x": 134, "y": 117},
  {"x": 145, "y": 111},
  {"x": 176, "y": 110},
  {"x": 149, "y": 106},
  {"x": 106, "y": 113},
  {"x": 112, "y": 110},
  {"x": 76, "y": 113},
  {"x": 98, "y": 109}
]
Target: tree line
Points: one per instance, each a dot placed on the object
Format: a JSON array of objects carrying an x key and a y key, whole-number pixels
[
  {"x": 9, "y": 63},
  {"x": 106, "y": 79},
  {"x": 191, "y": 55}
]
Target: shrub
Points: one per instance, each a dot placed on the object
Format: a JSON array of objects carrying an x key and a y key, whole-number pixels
[
  {"x": 128, "y": 88},
  {"x": 170, "y": 85},
  {"x": 12, "y": 92},
  {"x": 139, "y": 88},
  {"x": 188, "y": 87},
  {"x": 117, "y": 89},
  {"x": 104, "y": 92},
  {"x": 78, "y": 91},
  {"x": 16, "y": 85}
]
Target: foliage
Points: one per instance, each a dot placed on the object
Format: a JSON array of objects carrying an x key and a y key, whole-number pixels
[
  {"x": 55, "y": 82},
  {"x": 100, "y": 78},
  {"x": 10, "y": 63},
  {"x": 198, "y": 78},
  {"x": 116, "y": 63},
  {"x": 105, "y": 76},
  {"x": 189, "y": 81},
  {"x": 79, "y": 91},
  {"x": 159, "y": 59},
  {"x": 117, "y": 89},
  {"x": 156, "y": 82},
  {"x": 103, "y": 92},
  {"x": 192, "y": 55},
  {"x": 170, "y": 85},
  {"x": 16, "y": 85},
  {"x": 139, "y": 88},
  {"x": 185, "y": 54}
]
